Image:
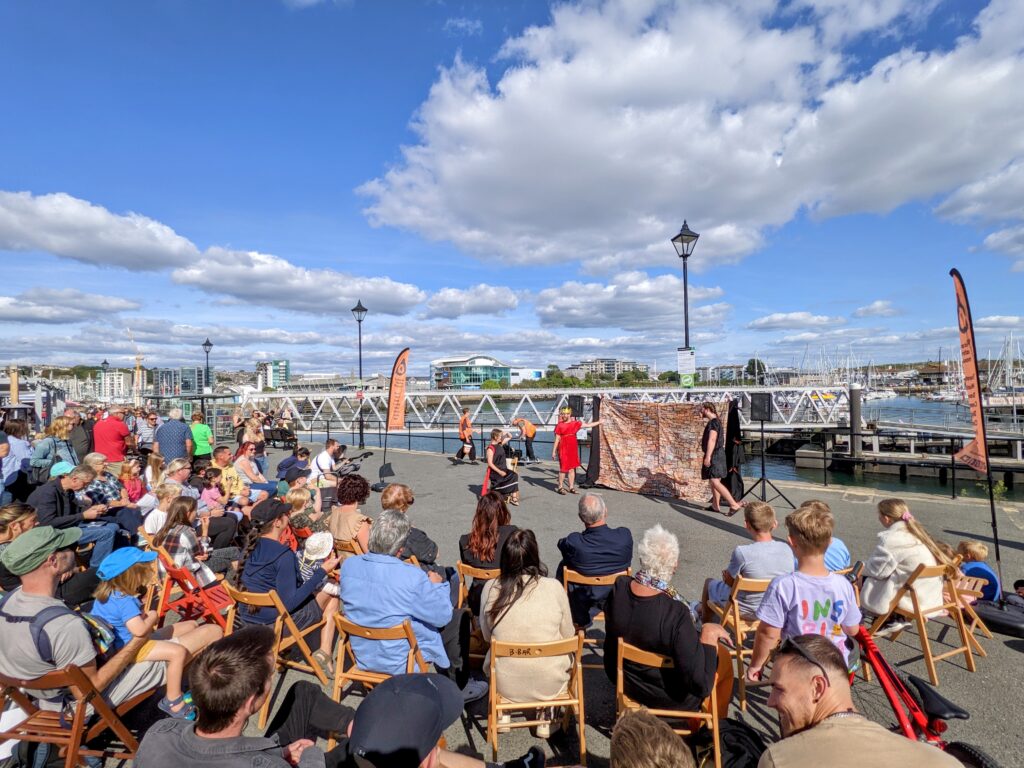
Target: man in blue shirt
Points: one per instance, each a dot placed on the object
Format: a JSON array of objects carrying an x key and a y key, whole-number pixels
[
  {"x": 598, "y": 550},
  {"x": 173, "y": 438},
  {"x": 379, "y": 590}
]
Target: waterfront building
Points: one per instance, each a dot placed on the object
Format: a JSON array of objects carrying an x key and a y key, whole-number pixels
[
  {"x": 519, "y": 375},
  {"x": 114, "y": 385},
  {"x": 271, "y": 374},
  {"x": 468, "y": 372},
  {"x": 606, "y": 366}
]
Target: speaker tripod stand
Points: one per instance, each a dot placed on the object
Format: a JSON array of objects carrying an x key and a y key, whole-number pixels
[{"x": 764, "y": 483}]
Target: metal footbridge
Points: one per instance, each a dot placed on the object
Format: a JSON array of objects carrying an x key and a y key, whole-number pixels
[{"x": 793, "y": 408}]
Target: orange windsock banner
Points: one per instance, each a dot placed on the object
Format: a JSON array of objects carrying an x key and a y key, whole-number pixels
[
  {"x": 396, "y": 392},
  {"x": 975, "y": 453}
]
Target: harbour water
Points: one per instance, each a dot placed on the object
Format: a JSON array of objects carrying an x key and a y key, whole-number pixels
[{"x": 903, "y": 409}]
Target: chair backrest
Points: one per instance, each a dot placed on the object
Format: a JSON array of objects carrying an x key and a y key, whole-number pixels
[
  {"x": 401, "y": 631},
  {"x": 745, "y": 586},
  {"x": 724, "y": 672},
  {"x": 256, "y": 600},
  {"x": 477, "y": 573},
  {"x": 569, "y": 576},
  {"x": 348, "y": 545},
  {"x": 500, "y": 649}
]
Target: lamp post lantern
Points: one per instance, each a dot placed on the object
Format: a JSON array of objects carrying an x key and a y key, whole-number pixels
[
  {"x": 684, "y": 243},
  {"x": 207, "y": 346},
  {"x": 359, "y": 313}
]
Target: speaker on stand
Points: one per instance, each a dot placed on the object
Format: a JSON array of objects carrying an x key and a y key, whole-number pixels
[{"x": 761, "y": 411}]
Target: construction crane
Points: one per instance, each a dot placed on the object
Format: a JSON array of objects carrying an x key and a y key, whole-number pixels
[{"x": 138, "y": 382}]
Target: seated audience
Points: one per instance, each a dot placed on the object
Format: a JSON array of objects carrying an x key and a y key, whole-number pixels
[
  {"x": 817, "y": 716},
  {"x": 75, "y": 587},
  {"x": 312, "y": 515},
  {"x": 837, "y": 556},
  {"x": 249, "y": 469},
  {"x": 481, "y": 547},
  {"x": 236, "y": 488},
  {"x": 379, "y": 590},
  {"x": 268, "y": 564},
  {"x": 598, "y": 550},
  {"x": 641, "y": 740},
  {"x": 230, "y": 681},
  {"x": 903, "y": 544},
  {"x": 766, "y": 558},
  {"x": 106, "y": 489},
  {"x": 51, "y": 640},
  {"x": 401, "y": 721},
  {"x": 524, "y": 605},
  {"x": 132, "y": 481},
  {"x": 348, "y": 523},
  {"x": 811, "y": 600},
  {"x": 56, "y": 504},
  {"x": 196, "y": 553},
  {"x": 974, "y": 554},
  {"x": 647, "y": 612},
  {"x": 125, "y": 576},
  {"x": 165, "y": 494},
  {"x": 400, "y": 497},
  {"x": 14, "y": 484},
  {"x": 298, "y": 460}
]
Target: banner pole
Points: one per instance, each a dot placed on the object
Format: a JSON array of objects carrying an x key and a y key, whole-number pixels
[{"x": 995, "y": 533}]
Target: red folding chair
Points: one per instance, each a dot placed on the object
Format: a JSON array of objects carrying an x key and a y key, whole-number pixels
[{"x": 194, "y": 602}]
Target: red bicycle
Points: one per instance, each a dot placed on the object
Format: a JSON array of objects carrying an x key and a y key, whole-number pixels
[{"x": 921, "y": 711}]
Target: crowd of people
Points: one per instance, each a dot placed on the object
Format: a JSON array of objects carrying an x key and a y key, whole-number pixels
[{"x": 76, "y": 550}]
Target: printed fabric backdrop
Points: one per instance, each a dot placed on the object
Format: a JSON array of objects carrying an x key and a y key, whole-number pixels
[{"x": 652, "y": 448}]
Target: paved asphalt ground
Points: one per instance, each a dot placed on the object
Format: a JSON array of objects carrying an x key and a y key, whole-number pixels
[{"x": 445, "y": 500}]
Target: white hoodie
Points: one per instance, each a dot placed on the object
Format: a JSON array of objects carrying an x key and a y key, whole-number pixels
[{"x": 897, "y": 555}]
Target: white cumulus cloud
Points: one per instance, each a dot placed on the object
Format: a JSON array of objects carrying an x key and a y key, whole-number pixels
[
  {"x": 780, "y": 321},
  {"x": 480, "y": 299},
  {"x": 877, "y": 308}
]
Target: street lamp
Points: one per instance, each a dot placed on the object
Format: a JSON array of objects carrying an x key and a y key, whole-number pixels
[
  {"x": 684, "y": 243},
  {"x": 105, "y": 366},
  {"x": 207, "y": 346},
  {"x": 359, "y": 313}
]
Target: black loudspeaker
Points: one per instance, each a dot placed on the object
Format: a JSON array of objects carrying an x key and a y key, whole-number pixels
[
  {"x": 760, "y": 406},
  {"x": 576, "y": 404}
]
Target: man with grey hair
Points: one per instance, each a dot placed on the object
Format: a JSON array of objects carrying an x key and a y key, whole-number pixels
[
  {"x": 379, "y": 591},
  {"x": 173, "y": 438},
  {"x": 597, "y": 550},
  {"x": 56, "y": 504}
]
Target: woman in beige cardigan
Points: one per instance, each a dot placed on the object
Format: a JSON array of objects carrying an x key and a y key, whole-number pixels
[{"x": 524, "y": 605}]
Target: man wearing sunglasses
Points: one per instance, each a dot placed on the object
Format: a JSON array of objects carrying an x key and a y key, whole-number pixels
[{"x": 819, "y": 724}]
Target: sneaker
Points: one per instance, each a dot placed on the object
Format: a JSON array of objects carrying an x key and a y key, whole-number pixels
[
  {"x": 892, "y": 628},
  {"x": 533, "y": 759},
  {"x": 475, "y": 689}
]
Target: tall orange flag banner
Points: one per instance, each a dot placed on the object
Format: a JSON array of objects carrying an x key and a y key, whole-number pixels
[
  {"x": 975, "y": 453},
  {"x": 396, "y": 392}
]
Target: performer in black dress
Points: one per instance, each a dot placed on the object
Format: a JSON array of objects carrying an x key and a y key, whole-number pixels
[
  {"x": 714, "y": 467},
  {"x": 499, "y": 477}
]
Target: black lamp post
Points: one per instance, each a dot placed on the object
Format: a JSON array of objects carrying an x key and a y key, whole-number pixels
[
  {"x": 105, "y": 366},
  {"x": 684, "y": 243},
  {"x": 359, "y": 312},
  {"x": 207, "y": 346}
]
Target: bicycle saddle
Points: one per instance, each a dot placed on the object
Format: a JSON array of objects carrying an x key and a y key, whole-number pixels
[{"x": 935, "y": 705}]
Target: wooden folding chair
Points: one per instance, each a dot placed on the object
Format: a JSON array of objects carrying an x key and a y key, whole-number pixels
[
  {"x": 712, "y": 710},
  {"x": 970, "y": 590},
  {"x": 571, "y": 702},
  {"x": 569, "y": 576},
  {"x": 740, "y": 625},
  {"x": 195, "y": 602},
  {"x": 353, "y": 673},
  {"x": 950, "y": 606},
  {"x": 45, "y": 727},
  {"x": 350, "y": 546},
  {"x": 286, "y": 635},
  {"x": 467, "y": 572}
]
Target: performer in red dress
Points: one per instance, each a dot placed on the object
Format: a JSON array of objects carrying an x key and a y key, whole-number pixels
[{"x": 566, "y": 449}]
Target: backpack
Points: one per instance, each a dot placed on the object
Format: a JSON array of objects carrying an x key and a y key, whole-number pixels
[
  {"x": 102, "y": 634},
  {"x": 741, "y": 745}
]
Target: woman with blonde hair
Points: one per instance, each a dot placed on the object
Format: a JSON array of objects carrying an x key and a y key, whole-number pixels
[
  {"x": 903, "y": 545},
  {"x": 56, "y": 446},
  {"x": 400, "y": 498},
  {"x": 253, "y": 433}
]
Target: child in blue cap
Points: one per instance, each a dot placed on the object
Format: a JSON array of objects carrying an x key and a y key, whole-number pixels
[{"x": 125, "y": 575}]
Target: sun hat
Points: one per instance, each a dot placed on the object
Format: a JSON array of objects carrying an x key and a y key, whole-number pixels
[
  {"x": 30, "y": 549},
  {"x": 61, "y": 468},
  {"x": 120, "y": 560},
  {"x": 319, "y": 546}
]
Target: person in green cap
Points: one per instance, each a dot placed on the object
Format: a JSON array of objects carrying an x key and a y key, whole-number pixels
[{"x": 39, "y": 634}]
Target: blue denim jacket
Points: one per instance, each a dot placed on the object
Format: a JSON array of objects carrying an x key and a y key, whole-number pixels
[{"x": 381, "y": 591}]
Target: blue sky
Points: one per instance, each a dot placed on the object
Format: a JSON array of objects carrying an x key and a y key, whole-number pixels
[{"x": 505, "y": 177}]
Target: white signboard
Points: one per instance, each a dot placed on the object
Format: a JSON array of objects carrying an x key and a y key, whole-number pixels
[{"x": 686, "y": 365}]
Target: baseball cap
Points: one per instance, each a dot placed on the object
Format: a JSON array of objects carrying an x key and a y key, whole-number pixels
[
  {"x": 295, "y": 473},
  {"x": 61, "y": 468},
  {"x": 120, "y": 560},
  {"x": 28, "y": 551},
  {"x": 401, "y": 720},
  {"x": 269, "y": 509}
]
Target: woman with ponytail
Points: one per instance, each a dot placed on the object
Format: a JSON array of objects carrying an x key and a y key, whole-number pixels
[
  {"x": 268, "y": 564},
  {"x": 903, "y": 544}
]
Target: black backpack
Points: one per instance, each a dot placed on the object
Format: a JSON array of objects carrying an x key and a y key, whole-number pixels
[{"x": 741, "y": 745}]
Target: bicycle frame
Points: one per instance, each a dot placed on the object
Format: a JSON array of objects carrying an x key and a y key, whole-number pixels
[{"x": 913, "y": 722}]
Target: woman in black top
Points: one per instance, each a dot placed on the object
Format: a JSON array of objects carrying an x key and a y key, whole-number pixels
[
  {"x": 713, "y": 467},
  {"x": 645, "y": 610},
  {"x": 481, "y": 547},
  {"x": 499, "y": 477}
]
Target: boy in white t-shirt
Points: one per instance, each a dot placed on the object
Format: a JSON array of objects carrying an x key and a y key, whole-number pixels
[{"x": 811, "y": 600}]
